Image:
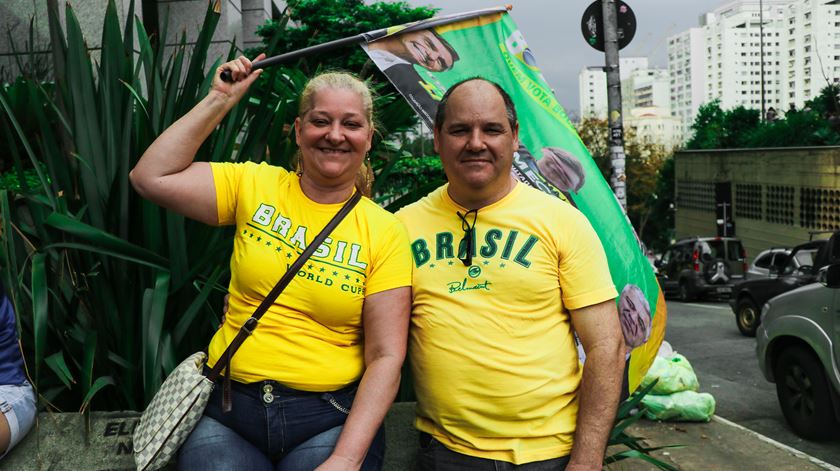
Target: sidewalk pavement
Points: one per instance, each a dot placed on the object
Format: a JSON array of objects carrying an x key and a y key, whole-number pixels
[
  {"x": 719, "y": 445},
  {"x": 102, "y": 442}
]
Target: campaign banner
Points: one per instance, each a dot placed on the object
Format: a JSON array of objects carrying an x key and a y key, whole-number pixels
[{"x": 423, "y": 59}]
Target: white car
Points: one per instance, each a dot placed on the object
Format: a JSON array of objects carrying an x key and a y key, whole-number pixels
[{"x": 761, "y": 264}]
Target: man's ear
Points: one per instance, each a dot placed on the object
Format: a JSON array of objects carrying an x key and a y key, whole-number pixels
[
  {"x": 515, "y": 132},
  {"x": 436, "y": 138}
]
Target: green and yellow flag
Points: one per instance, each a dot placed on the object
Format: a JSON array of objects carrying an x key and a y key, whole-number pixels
[{"x": 423, "y": 59}]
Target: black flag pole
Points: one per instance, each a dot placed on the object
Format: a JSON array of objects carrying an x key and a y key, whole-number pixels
[{"x": 367, "y": 37}]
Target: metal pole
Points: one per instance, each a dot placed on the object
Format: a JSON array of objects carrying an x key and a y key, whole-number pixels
[
  {"x": 618, "y": 180},
  {"x": 761, "y": 53}
]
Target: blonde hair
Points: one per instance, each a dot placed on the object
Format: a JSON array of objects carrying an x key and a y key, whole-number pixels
[{"x": 340, "y": 81}]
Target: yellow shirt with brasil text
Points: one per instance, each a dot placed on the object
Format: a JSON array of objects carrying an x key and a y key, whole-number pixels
[
  {"x": 491, "y": 347},
  {"x": 311, "y": 337}
]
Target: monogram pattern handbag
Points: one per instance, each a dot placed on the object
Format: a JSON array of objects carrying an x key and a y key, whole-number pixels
[{"x": 179, "y": 403}]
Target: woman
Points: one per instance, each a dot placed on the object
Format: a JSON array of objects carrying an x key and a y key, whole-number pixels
[
  {"x": 312, "y": 385},
  {"x": 17, "y": 399}
]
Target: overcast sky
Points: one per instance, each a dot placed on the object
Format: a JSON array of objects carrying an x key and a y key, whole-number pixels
[{"x": 552, "y": 29}]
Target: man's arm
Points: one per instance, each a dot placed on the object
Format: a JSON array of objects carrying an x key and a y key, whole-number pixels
[{"x": 600, "y": 335}]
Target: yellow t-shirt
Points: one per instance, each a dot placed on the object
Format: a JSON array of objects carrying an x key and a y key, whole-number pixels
[
  {"x": 311, "y": 337},
  {"x": 491, "y": 346}
]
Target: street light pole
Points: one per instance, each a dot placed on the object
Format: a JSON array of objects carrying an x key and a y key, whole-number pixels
[
  {"x": 618, "y": 179},
  {"x": 761, "y": 53}
]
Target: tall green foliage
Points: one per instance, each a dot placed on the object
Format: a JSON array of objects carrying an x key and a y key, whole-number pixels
[
  {"x": 816, "y": 124},
  {"x": 650, "y": 189},
  {"x": 112, "y": 291},
  {"x": 402, "y": 176}
]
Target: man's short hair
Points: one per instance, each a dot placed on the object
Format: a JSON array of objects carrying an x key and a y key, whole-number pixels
[{"x": 510, "y": 109}]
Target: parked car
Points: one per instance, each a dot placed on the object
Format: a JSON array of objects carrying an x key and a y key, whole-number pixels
[
  {"x": 701, "y": 266},
  {"x": 798, "y": 348},
  {"x": 760, "y": 266},
  {"x": 799, "y": 269}
]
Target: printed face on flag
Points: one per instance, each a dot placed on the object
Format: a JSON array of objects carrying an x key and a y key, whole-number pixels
[
  {"x": 424, "y": 48},
  {"x": 428, "y": 50}
]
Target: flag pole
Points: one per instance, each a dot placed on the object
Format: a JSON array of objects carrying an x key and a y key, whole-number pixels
[{"x": 368, "y": 37}]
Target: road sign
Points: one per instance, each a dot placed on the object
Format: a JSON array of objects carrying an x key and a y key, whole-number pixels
[{"x": 592, "y": 25}]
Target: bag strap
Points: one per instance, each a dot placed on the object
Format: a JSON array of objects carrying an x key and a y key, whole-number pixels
[{"x": 248, "y": 327}]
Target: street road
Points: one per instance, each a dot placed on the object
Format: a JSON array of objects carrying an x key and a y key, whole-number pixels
[{"x": 727, "y": 367}]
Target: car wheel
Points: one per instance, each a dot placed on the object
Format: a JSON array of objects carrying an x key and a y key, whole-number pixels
[
  {"x": 747, "y": 316},
  {"x": 685, "y": 292},
  {"x": 804, "y": 394}
]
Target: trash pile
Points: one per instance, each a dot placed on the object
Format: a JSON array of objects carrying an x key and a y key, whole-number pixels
[{"x": 674, "y": 396}]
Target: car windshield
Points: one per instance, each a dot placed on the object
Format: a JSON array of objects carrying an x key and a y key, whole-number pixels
[
  {"x": 806, "y": 257},
  {"x": 801, "y": 258}
]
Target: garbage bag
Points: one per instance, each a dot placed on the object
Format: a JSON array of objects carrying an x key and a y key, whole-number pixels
[
  {"x": 686, "y": 406},
  {"x": 675, "y": 374}
]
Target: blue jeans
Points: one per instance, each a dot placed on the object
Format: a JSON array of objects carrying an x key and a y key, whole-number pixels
[
  {"x": 434, "y": 456},
  {"x": 17, "y": 404},
  {"x": 272, "y": 427}
]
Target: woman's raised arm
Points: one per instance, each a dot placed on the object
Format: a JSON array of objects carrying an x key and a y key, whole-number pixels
[{"x": 166, "y": 173}]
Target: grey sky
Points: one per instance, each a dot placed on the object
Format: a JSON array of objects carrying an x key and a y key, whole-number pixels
[{"x": 552, "y": 29}]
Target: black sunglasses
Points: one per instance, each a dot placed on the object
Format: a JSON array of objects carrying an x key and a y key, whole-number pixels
[{"x": 466, "y": 243}]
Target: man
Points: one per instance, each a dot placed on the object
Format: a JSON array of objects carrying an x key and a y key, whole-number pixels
[{"x": 497, "y": 377}]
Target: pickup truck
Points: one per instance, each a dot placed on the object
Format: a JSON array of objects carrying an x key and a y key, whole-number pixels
[{"x": 800, "y": 269}]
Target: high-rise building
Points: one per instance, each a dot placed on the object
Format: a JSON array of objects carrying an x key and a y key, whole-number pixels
[
  {"x": 722, "y": 58},
  {"x": 734, "y": 54},
  {"x": 592, "y": 85},
  {"x": 592, "y": 89},
  {"x": 810, "y": 47},
  {"x": 687, "y": 70}
]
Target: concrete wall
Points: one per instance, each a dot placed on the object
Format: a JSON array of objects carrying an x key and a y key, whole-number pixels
[
  {"x": 779, "y": 196},
  {"x": 238, "y": 22}
]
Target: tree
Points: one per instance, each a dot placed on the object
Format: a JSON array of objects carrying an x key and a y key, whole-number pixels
[
  {"x": 309, "y": 22},
  {"x": 707, "y": 127},
  {"x": 816, "y": 124},
  {"x": 649, "y": 198}
]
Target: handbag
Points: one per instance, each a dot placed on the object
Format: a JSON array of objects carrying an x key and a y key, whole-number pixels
[{"x": 179, "y": 403}]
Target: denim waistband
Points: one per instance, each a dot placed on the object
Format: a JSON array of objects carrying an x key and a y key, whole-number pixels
[{"x": 257, "y": 388}]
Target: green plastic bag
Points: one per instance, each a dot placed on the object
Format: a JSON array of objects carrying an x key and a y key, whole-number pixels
[
  {"x": 685, "y": 406},
  {"x": 675, "y": 374}
]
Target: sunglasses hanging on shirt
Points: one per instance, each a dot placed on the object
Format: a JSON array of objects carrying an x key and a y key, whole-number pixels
[{"x": 465, "y": 247}]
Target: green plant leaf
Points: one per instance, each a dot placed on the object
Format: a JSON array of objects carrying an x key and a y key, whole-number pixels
[
  {"x": 40, "y": 308},
  {"x": 100, "y": 238},
  {"x": 100, "y": 383},
  {"x": 59, "y": 366}
]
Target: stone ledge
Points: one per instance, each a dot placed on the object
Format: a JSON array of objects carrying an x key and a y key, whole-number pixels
[{"x": 67, "y": 441}]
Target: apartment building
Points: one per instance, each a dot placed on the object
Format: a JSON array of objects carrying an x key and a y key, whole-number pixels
[
  {"x": 810, "y": 49},
  {"x": 734, "y": 54},
  {"x": 592, "y": 86},
  {"x": 722, "y": 58},
  {"x": 687, "y": 70}
]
